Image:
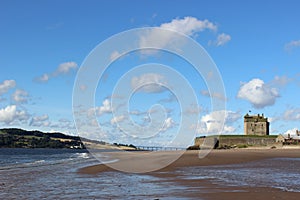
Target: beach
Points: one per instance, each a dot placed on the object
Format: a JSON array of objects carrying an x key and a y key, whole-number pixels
[
  {"x": 188, "y": 170},
  {"x": 222, "y": 174}
]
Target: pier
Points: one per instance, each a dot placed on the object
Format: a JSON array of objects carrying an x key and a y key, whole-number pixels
[{"x": 157, "y": 148}]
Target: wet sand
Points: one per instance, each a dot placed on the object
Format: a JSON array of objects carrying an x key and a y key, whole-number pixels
[{"x": 207, "y": 188}]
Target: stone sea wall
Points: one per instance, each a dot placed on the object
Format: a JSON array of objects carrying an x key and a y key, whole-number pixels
[{"x": 239, "y": 141}]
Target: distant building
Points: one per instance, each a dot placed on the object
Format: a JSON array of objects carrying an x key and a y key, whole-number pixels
[
  {"x": 281, "y": 138},
  {"x": 256, "y": 125},
  {"x": 288, "y": 138}
]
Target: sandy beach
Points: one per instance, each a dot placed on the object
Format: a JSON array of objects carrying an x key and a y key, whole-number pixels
[{"x": 209, "y": 189}]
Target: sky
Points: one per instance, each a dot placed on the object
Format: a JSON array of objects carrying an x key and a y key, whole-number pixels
[{"x": 44, "y": 46}]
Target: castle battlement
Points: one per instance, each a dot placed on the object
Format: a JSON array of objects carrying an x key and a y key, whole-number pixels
[{"x": 256, "y": 125}]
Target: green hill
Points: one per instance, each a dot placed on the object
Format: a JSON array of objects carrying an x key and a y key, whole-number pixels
[{"x": 19, "y": 138}]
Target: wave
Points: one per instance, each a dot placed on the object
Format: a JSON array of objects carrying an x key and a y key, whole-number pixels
[
  {"x": 60, "y": 157},
  {"x": 83, "y": 155},
  {"x": 28, "y": 161}
]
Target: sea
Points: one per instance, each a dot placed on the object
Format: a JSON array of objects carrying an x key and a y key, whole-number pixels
[{"x": 52, "y": 174}]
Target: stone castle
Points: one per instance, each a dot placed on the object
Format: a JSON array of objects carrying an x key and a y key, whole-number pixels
[{"x": 256, "y": 125}]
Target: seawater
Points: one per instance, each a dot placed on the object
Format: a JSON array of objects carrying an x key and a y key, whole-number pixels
[
  {"x": 281, "y": 173},
  {"x": 22, "y": 158},
  {"x": 52, "y": 174}
]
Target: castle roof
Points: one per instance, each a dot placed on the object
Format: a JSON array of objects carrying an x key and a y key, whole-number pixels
[{"x": 255, "y": 118}]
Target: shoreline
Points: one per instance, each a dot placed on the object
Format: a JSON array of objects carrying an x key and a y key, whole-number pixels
[
  {"x": 215, "y": 157},
  {"x": 208, "y": 188}
]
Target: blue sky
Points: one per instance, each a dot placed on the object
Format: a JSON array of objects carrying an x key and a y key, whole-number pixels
[{"x": 255, "y": 45}]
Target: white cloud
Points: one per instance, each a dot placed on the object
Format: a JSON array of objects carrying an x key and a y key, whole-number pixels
[
  {"x": 188, "y": 25},
  {"x": 169, "y": 99},
  {"x": 43, "y": 78},
  {"x": 114, "y": 55},
  {"x": 221, "y": 40},
  {"x": 213, "y": 95},
  {"x": 11, "y": 114},
  {"x": 229, "y": 129},
  {"x": 63, "y": 68},
  {"x": 218, "y": 121},
  {"x": 64, "y": 125},
  {"x": 291, "y": 132},
  {"x": 149, "y": 83},
  {"x": 7, "y": 85},
  {"x": 105, "y": 108},
  {"x": 193, "y": 109},
  {"x": 291, "y": 45},
  {"x": 100, "y": 110},
  {"x": 168, "y": 123},
  {"x": 258, "y": 93},
  {"x": 82, "y": 87},
  {"x": 291, "y": 114},
  {"x": 117, "y": 119},
  {"x": 20, "y": 96},
  {"x": 137, "y": 112},
  {"x": 40, "y": 121},
  {"x": 210, "y": 75},
  {"x": 281, "y": 80}
]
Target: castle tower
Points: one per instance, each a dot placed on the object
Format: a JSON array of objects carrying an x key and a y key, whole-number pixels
[{"x": 256, "y": 125}]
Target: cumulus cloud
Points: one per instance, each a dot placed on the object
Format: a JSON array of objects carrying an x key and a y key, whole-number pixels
[
  {"x": 63, "y": 124},
  {"x": 7, "y": 85},
  {"x": 63, "y": 68},
  {"x": 292, "y": 44},
  {"x": 100, "y": 110},
  {"x": 291, "y": 132},
  {"x": 40, "y": 121},
  {"x": 217, "y": 121},
  {"x": 281, "y": 81},
  {"x": 114, "y": 55},
  {"x": 43, "y": 78},
  {"x": 291, "y": 114},
  {"x": 221, "y": 40},
  {"x": 105, "y": 108},
  {"x": 213, "y": 95},
  {"x": 168, "y": 123},
  {"x": 188, "y": 25},
  {"x": 43, "y": 121},
  {"x": 11, "y": 114},
  {"x": 149, "y": 83},
  {"x": 20, "y": 96},
  {"x": 117, "y": 119},
  {"x": 258, "y": 93}
]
